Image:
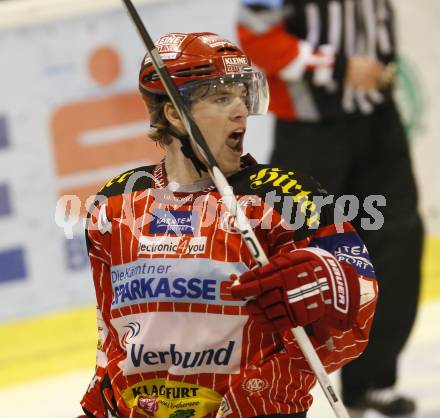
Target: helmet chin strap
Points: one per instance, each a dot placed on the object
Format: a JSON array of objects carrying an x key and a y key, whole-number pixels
[{"x": 187, "y": 151}]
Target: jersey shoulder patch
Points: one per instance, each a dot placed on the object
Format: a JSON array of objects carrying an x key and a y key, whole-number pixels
[
  {"x": 261, "y": 179},
  {"x": 133, "y": 180},
  {"x": 285, "y": 189}
]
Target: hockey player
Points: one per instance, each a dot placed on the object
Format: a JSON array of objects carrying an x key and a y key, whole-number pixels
[{"x": 176, "y": 339}]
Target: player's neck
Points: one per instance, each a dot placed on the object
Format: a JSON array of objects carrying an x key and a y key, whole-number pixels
[{"x": 180, "y": 169}]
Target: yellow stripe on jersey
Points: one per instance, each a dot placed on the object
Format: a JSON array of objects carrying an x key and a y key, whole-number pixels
[{"x": 58, "y": 343}]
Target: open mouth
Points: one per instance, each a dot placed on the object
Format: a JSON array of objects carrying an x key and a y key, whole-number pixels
[{"x": 235, "y": 140}]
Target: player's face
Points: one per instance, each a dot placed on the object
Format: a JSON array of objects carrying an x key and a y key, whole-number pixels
[{"x": 221, "y": 117}]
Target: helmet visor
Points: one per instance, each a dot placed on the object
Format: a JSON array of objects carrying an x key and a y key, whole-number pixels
[{"x": 253, "y": 83}]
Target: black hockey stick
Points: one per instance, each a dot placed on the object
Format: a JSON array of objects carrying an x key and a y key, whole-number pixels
[{"x": 230, "y": 201}]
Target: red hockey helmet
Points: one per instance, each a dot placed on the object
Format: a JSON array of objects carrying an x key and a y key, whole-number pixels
[{"x": 197, "y": 59}]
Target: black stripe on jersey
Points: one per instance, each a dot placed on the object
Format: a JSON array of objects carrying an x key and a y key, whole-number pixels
[{"x": 134, "y": 180}]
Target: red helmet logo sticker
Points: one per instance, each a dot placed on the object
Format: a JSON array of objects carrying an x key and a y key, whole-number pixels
[
  {"x": 234, "y": 64},
  {"x": 169, "y": 43},
  {"x": 214, "y": 41},
  {"x": 168, "y": 47}
]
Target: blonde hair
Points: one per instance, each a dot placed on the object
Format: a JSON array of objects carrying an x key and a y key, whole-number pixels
[{"x": 160, "y": 132}]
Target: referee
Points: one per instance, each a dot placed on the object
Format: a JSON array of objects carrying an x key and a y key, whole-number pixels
[{"x": 331, "y": 67}]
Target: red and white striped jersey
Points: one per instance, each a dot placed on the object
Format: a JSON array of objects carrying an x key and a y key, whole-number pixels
[{"x": 172, "y": 340}]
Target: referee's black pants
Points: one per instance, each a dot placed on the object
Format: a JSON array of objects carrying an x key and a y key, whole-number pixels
[{"x": 365, "y": 155}]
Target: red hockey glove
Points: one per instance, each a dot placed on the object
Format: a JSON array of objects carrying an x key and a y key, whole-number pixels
[{"x": 300, "y": 288}]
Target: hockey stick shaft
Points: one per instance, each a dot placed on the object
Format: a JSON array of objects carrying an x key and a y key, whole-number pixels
[{"x": 230, "y": 201}]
